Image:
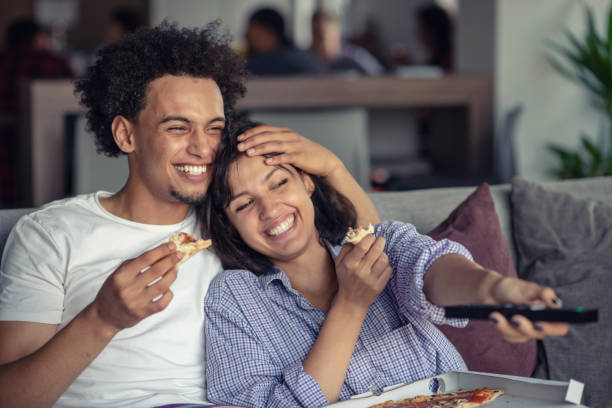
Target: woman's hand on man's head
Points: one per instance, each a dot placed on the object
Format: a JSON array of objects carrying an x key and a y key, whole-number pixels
[{"x": 292, "y": 147}]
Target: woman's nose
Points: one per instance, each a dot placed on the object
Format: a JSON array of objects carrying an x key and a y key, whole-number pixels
[{"x": 268, "y": 208}]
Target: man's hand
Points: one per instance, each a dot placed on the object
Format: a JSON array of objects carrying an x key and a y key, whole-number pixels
[
  {"x": 139, "y": 288},
  {"x": 518, "y": 328},
  {"x": 294, "y": 149},
  {"x": 42, "y": 366},
  {"x": 363, "y": 271}
]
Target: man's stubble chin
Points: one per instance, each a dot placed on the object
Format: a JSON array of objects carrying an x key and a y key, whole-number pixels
[{"x": 191, "y": 199}]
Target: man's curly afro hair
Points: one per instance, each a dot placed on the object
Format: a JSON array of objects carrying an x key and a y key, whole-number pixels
[{"x": 117, "y": 83}]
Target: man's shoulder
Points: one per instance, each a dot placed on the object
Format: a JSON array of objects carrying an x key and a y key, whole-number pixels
[
  {"x": 66, "y": 209},
  {"x": 52, "y": 225}
]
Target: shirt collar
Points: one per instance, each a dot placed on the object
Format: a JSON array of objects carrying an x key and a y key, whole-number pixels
[
  {"x": 274, "y": 274},
  {"x": 334, "y": 250}
]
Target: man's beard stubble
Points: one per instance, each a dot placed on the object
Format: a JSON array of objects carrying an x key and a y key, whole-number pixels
[{"x": 193, "y": 199}]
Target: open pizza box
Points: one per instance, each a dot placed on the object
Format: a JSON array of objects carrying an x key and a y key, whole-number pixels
[{"x": 518, "y": 391}]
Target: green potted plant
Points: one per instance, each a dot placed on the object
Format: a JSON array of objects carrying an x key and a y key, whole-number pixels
[{"x": 589, "y": 63}]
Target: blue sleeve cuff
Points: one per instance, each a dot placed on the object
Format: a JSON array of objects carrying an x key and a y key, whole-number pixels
[
  {"x": 304, "y": 388},
  {"x": 410, "y": 255},
  {"x": 432, "y": 312}
]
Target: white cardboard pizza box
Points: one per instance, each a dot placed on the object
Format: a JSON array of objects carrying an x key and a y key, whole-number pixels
[{"x": 521, "y": 392}]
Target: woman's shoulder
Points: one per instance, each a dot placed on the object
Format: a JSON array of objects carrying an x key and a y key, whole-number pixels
[
  {"x": 234, "y": 286},
  {"x": 231, "y": 279},
  {"x": 232, "y": 296}
]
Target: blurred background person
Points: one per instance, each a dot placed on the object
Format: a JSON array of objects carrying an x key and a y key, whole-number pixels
[
  {"x": 271, "y": 52},
  {"x": 435, "y": 32},
  {"x": 370, "y": 40},
  {"x": 338, "y": 54},
  {"x": 122, "y": 21},
  {"x": 28, "y": 56}
]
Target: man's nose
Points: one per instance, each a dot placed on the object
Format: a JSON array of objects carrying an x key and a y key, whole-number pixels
[{"x": 202, "y": 144}]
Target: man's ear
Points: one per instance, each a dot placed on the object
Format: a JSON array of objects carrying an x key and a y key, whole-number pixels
[
  {"x": 123, "y": 134},
  {"x": 308, "y": 183}
]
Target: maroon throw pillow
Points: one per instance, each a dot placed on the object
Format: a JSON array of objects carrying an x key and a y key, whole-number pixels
[{"x": 474, "y": 223}]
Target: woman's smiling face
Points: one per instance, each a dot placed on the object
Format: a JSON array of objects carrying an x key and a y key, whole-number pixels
[{"x": 271, "y": 208}]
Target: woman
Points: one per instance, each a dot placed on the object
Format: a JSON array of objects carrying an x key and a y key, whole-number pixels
[{"x": 302, "y": 321}]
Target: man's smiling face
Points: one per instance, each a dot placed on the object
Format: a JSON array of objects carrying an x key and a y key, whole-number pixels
[{"x": 175, "y": 139}]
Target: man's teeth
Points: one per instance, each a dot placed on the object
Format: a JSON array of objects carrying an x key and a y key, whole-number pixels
[
  {"x": 194, "y": 170},
  {"x": 282, "y": 227}
]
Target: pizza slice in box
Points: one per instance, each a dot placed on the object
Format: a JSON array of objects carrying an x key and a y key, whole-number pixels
[
  {"x": 188, "y": 245},
  {"x": 461, "y": 399}
]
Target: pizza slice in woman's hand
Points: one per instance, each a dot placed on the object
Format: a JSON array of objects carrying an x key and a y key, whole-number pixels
[
  {"x": 353, "y": 236},
  {"x": 188, "y": 245}
]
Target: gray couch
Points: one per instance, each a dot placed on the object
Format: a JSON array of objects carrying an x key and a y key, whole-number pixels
[
  {"x": 427, "y": 208},
  {"x": 586, "y": 353}
]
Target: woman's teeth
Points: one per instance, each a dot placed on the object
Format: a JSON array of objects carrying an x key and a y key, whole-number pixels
[
  {"x": 282, "y": 227},
  {"x": 193, "y": 170}
]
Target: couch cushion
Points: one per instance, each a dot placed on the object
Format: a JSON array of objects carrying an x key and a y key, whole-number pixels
[
  {"x": 475, "y": 224},
  {"x": 426, "y": 209},
  {"x": 566, "y": 242}
]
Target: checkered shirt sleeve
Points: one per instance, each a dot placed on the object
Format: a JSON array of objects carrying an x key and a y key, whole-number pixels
[{"x": 410, "y": 255}]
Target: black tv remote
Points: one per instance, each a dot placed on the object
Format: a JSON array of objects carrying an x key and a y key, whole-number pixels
[{"x": 533, "y": 313}]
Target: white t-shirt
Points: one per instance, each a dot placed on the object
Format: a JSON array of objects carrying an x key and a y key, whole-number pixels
[{"x": 55, "y": 261}]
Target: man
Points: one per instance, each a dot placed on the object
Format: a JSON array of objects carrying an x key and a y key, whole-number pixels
[
  {"x": 340, "y": 55},
  {"x": 93, "y": 308}
]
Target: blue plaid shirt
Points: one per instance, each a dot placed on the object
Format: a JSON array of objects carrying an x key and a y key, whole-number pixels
[{"x": 259, "y": 330}]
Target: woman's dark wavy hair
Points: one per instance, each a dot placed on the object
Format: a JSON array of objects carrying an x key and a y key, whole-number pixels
[
  {"x": 117, "y": 83},
  {"x": 333, "y": 212}
]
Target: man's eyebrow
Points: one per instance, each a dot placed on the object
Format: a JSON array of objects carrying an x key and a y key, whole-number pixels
[
  {"x": 186, "y": 120},
  {"x": 217, "y": 119},
  {"x": 233, "y": 197},
  {"x": 174, "y": 117}
]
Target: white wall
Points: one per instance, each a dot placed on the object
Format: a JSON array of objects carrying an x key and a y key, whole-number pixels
[
  {"x": 554, "y": 109},
  {"x": 475, "y": 37}
]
